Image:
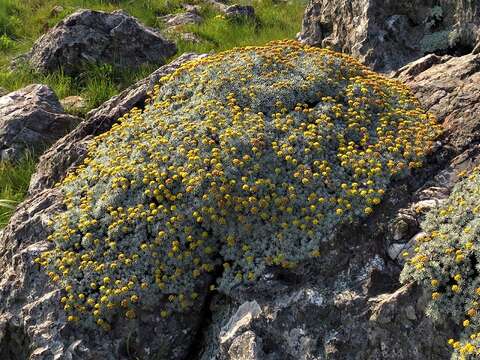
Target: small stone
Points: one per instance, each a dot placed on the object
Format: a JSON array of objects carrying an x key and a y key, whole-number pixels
[
  {"x": 192, "y": 8},
  {"x": 73, "y": 103},
  {"x": 244, "y": 347},
  {"x": 424, "y": 206},
  {"x": 240, "y": 12},
  {"x": 410, "y": 313},
  {"x": 404, "y": 226},
  {"x": 190, "y": 37},
  {"x": 433, "y": 192}
]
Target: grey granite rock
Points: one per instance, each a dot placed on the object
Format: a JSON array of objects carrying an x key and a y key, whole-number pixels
[
  {"x": 96, "y": 37},
  {"x": 389, "y": 34},
  {"x": 31, "y": 119}
]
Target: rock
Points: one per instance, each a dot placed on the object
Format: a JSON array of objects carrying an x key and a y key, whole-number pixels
[
  {"x": 31, "y": 327},
  {"x": 240, "y": 12},
  {"x": 424, "y": 206},
  {"x": 190, "y": 37},
  {"x": 75, "y": 103},
  {"x": 476, "y": 49},
  {"x": 31, "y": 119},
  {"x": 404, "y": 225},
  {"x": 186, "y": 18},
  {"x": 177, "y": 33},
  {"x": 95, "y": 37},
  {"x": 245, "y": 347},
  {"x": 235, "y": 11},
  {"x": 434, "y": 192},
  {"x": 71, "y": 149},
  {"x": 394, "y": 250},
  {"x": 388, "y": 35},
  {"x": 412, "y": 334},
  {"x": 3, "y": 91},
  {"x": 450, "y": 88},
  {"x": 217, "y": 5},
  {"x": 245, "y": 314}
]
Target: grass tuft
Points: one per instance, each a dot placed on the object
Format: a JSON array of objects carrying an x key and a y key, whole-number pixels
[{"x": 14, "y": 181}]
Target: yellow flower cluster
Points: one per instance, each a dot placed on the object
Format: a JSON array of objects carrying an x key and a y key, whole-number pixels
[
  {"x": 445, "y": 261},
  {"x": 242, "y": 160}
]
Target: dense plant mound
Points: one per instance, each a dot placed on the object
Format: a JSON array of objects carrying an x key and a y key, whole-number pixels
[
  {"x": 446, "y": 259},
  {"x": 241, "y": 160}
]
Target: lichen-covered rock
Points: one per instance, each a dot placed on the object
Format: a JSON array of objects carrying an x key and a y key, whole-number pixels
[
  {"x": 70, "y": 150},
  {"x": 186, "y": 18},
  {"x": 449, "y": 87},
  {"x": 31, "y": 119},
  {"x": 389, "y": 34},
  {"x": 31, "y": 327},
  {"x": 95, "y": 37}
]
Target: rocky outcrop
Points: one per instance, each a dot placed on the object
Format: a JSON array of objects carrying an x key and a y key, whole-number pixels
[
  {"x": 31, "y": 118},
  {"x": 71, "y": 149},
  {"x": 449, "y": 87},
  {"x": 30, "y": 324},
  {"x": 95, "y": 37},
  {"x": 389, "y": 34}
]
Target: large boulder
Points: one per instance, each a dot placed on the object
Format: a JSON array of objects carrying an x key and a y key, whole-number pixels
[
  {"x": 32, "y": 119},
  {"x": 96, "y": 37},
  {"x": 388, "y": 34}
]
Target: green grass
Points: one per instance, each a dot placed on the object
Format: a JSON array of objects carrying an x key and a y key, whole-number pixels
[
  {"x": 14, "y": 180},
  {"x": 22, "y": 22}
]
